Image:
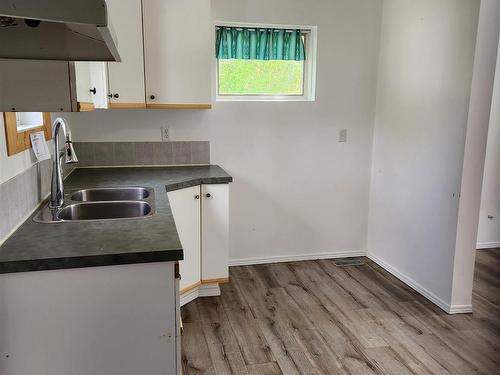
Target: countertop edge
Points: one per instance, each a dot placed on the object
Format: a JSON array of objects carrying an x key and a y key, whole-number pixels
[
  {"x": 170, "y": 255},
  {"x": 198, "y": 181}
]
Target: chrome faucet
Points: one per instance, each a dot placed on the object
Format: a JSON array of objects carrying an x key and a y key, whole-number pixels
[{"x": 57, "y": 189}]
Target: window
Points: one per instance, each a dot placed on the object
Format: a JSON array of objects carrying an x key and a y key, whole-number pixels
[
  {"x": 265, "y": 63},
  {"x": 19, "y": 125},
  {"x": 258, "y": 77},
  {"x": 28, "y": 120}
]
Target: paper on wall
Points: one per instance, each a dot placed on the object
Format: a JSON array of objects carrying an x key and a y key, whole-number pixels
[{"x": 40, "y": 147}]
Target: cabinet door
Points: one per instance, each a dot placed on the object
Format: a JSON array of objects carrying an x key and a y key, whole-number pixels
[
  {"x": 126, "y": 78},
  {"x": 178, "y": 47},
  {"x": 99, "y": 84},
  {"x": 215, "y": 232},
  {"x": 114, "y": 320},
  {"x": 35, "y": 86},
  {"x": 185, "y": 205},
  {"x": 83, "y": 86},
  {"x": 91, "y": 85}
]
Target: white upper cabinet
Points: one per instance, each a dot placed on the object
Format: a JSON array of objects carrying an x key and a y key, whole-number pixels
[
  {"x": 35, "y": 86},
  {"x": 99, "y": 84},
  {"x": 166, "y": 47},
  {"x": 126, "y": 78},
  {"x": 91, "y": 85},
  {"x": 178, "y": 43},
  {"x": 83, "y": 86}
]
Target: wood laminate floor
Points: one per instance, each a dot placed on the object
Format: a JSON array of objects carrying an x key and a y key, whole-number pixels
[{"x": 315, "y": 318}]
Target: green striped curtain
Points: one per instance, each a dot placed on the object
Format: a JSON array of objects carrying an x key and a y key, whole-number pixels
[{"x": 259, "y": 44}]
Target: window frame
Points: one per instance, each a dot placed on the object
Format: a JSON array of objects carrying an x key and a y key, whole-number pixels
[
  {"x": 18, "y": 141},
  {"x": 309, "y": 71}
]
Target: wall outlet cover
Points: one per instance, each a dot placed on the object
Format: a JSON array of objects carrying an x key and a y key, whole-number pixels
[
  {"x": 165, "y": 133},
  {"x": 343, "y": 135}
]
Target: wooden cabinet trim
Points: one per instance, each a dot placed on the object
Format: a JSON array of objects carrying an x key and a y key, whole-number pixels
[
  {"x": 85, "y": 107},
  {"x": 179, "y": 106},
  {"x": 127, "y": 105},
  {"x": 190, "y": 288},
  {"x": 20, "y": 141},
  {"x": 222, "y": 280}
]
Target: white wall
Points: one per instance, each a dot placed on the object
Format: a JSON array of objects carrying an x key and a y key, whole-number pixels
[
  {"x": 475, "y": 153},
  {"x": 489, "y": 229},
  {"x": 425, "y": 72},
  {"x": 296, "y": 189}
]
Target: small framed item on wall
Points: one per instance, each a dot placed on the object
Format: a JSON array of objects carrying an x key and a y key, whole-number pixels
[{"x": 19, "y": 125}]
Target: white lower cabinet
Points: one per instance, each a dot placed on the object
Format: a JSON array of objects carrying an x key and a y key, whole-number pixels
[
  {"x": 109, "y": 320},
  {"x": 201, "y": 216},
  {"x": 185, "y": 205},
  {"x": 215, "y": 233}
]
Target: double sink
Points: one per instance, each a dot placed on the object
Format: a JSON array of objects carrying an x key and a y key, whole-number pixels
[{"x": 113, "y": 203}]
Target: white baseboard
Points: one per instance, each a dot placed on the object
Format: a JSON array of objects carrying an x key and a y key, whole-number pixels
[
  {"x": 209, "y": 290},
  {"x": 450, "y": 309},
  {"x": 295, "y": 258},
  {"x": 446, "y": 307},
  {"x": 204, "y": 290},
  {"x": 488, "y": 245},
  {"x": 460, "y": 309}
]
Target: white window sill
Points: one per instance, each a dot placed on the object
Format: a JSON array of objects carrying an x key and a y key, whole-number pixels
[{"x": 263, "y": 99}]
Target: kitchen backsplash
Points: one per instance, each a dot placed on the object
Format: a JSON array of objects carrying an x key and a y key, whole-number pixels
[
  {"x": 23, "y": 193},
  {"x": 142, "y": 153}
]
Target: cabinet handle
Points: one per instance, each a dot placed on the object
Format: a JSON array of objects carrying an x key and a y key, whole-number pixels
[
  {"x": 177, "y": 273},
  {"x": 208, "y": 195},
  {"x": 152, "y": 97},
  {"x": 110, "y": 95},
  {"x": 93, "y": 91},
  {"x": 116, "y": 96},
  {"x": 196, "y": 196}
]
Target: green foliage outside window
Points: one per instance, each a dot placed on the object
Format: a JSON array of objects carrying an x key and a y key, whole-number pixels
[{"x": 260, "y": 77}]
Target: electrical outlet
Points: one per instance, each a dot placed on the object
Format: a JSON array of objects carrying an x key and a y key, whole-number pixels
[
  {"x": 343, "y": 135},
  {"x": 165, "y": 133}
]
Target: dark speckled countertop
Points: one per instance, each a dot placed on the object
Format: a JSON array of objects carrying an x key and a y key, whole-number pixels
[{"x": 40, "y": 246}]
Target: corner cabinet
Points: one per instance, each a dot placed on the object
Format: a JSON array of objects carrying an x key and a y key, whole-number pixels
[
  {"x": 201, "y": 216},
  {"x": 178, "y": 44}
]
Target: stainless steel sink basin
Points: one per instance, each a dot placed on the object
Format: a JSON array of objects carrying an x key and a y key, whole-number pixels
[
  {"x": 112, "y": 203},
  {"x": 111, "y": 194},
  {"x": 105, "y": 210}
]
